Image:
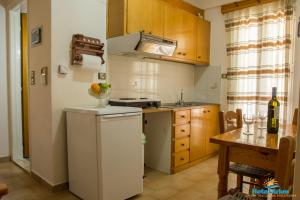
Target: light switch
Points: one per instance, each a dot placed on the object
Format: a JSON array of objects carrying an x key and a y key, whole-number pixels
[
  {"x": 32, "y": 77},
  {"x": 63, "y": 69},
  {"x": 44, "y": 75}
]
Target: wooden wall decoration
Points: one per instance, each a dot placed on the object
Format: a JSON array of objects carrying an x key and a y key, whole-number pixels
[{"x": 86, "y": 45}]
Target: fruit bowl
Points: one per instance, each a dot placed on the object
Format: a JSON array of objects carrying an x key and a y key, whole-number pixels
[{"x": 100, "y": 91}]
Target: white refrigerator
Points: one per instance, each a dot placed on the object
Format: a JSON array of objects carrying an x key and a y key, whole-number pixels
[{"x": 105, "y": 152}]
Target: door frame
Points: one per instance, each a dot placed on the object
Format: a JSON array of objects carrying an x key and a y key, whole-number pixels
[{"x": 15, "y": 80}]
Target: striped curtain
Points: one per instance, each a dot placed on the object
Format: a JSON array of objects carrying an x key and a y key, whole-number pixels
[{"x": 260, "y": 56}]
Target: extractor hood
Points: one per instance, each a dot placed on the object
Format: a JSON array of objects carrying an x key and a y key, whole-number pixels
[{"x": 141, "y": 44}]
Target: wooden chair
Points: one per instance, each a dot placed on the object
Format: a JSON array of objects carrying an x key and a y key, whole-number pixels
[
  {"x": 230, "y": 121},
  {"x": 3, "y": 190},
  {"x": 285, "y": 164},
  {"x": 295, "y": 117}
]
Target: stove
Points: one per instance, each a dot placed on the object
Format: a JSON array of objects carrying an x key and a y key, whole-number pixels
[{"x": 135, "y": 102}]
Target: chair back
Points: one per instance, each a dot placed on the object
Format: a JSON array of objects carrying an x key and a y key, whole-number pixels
[
  {"x": 230, "y": 120},
  {"x": 285, "y": 162},
  {"x": 295, "y": 117}
]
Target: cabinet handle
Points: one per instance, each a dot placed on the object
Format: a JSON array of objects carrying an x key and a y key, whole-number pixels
[
  {"x": 182, "y": 145},
  {"x": 150, "y": 33},
  {"x": 143, "y": 31},
  {"x": 204, "y": 111},
  {"x": 208, "y": 111},
  {"x": 184, "y": 54},
  {"x": 182, "y": 116},
  {"x": 199, "y": 57},
  {"x": 182, "y": 159},
  {"x": 179, "y": 53},
  {"x": 183, "y": 130}
]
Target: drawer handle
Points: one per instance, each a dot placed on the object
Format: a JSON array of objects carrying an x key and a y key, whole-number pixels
[
  {"x": 179, "y": 53},
  {"x": 208, "y": 111},
  {"x": 204, "y": 111},
  {"x": 182, "y": 159},
  {"x": 182, "y": 116},
  {"x": 184, "y": 54},
  {"x": 183, "y": 130},
  {"x": 150, "y": 33},
  {"x": 183, "y": 145},
  {"x": 265, "y": 154}
]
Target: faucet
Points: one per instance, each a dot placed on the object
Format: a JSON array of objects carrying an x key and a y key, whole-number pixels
[{"x": 180, "y": 102}]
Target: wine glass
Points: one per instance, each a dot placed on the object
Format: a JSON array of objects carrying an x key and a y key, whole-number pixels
[
  {"x": 262, "y": 116},
  {"x": 248, "y": 119}
]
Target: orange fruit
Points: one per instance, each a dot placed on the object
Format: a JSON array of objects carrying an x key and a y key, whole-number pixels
[{"x": 96, "y": 88}]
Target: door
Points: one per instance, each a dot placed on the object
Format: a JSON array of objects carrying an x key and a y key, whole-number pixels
[
  {"x": 198, "y": 131},
  {"x": 120, "y": 151},
  {"x": 24, "y": 84},
  {"x": 180, "y": 25},
  {"x": 145, "y": 16},
  {"x": 203, "y": 41},
  {"x": 212, "y": 128}
]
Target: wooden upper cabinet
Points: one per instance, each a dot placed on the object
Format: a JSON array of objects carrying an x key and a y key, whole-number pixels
[
  {"x": 170, "y": 19},
  {"x": 203, "y": 41},
  {"x": 181, "y": 26},
  {"x": 145, "y": 16}
]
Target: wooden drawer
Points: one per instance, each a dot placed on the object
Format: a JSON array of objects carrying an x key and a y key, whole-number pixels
[
  {"x": 182, "y": 116},
  {"x": 181, "y": 158},
  {"x": 182, "y": 130},
  {"x": 181, "y": 144},
  {"x": 205, "y": 112}
]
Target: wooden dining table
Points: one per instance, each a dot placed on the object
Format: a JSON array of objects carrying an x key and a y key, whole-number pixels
[{"x": 258, "y": 150}]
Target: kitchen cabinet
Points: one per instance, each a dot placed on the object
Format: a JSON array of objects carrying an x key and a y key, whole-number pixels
[
  {"x": 195, "y": 125},
  {"x": 145, "y": 16},
  {"x": 170, "y": 19},
  {"x": 179, "y": 138},
  {"x": 204, "y": 125},
  {"x": 203, "y": 41},
  {"x": 181, "y": 26},
  {"x": 198, "y": 128}
]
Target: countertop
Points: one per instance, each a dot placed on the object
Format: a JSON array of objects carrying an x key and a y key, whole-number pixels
[{"x": 173, "y": 107}]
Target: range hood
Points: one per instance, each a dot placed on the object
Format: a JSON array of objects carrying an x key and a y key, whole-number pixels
[{"x": 141, "y": 44}]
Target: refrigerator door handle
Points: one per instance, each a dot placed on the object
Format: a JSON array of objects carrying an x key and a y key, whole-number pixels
[{"x": 120, "y": 115}]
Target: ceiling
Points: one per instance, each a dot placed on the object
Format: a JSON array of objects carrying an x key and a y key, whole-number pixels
[{"x": 205, "y": 4}]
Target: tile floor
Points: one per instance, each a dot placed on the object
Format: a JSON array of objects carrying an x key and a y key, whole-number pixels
[{"x": 198, "y": 182}]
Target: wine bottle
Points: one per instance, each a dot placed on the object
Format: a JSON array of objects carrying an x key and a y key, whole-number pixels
[{"x": 273, "y": 113}]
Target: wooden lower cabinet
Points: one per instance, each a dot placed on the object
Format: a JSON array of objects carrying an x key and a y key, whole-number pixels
[{"x": 200, "y": 124}]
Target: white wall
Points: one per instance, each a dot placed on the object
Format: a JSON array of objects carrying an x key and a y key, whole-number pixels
[
  {"x": 70, "y": 17},
  {"x": 40, "y": 115},
  {"x": 209, "y": 86},
  {"x": 297, "y": 100},
  {"x": 4, "y": 134},
  {"x": 133, "y": 77}
]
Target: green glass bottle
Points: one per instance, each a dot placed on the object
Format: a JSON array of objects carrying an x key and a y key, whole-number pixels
[{"x": 273, "y": 113}]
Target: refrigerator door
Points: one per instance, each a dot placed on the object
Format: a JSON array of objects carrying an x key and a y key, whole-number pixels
[{"x": 121, "y": 162}]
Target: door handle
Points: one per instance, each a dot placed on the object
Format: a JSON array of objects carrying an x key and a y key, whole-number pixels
[{"x": 120, "y": 115}]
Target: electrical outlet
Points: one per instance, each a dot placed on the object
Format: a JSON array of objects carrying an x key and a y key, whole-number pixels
[
  {"x": 224, "y": 76},
  {"x": 101, "y": 76}
]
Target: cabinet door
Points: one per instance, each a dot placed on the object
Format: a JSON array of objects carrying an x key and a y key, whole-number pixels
[
  {"x": 197, "y": 137},
  {"x": 180, "y": 25},
  {"x": 155, "y": 19},
  {"x": 212, "y": 129},
  {"x": 145, "y": 16},
  {"x": 137, "y": 16},
  {"x": 203, "y": 41}
]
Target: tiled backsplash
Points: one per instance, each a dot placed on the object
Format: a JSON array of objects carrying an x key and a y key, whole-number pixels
[{"x": 134, "y": 77}]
